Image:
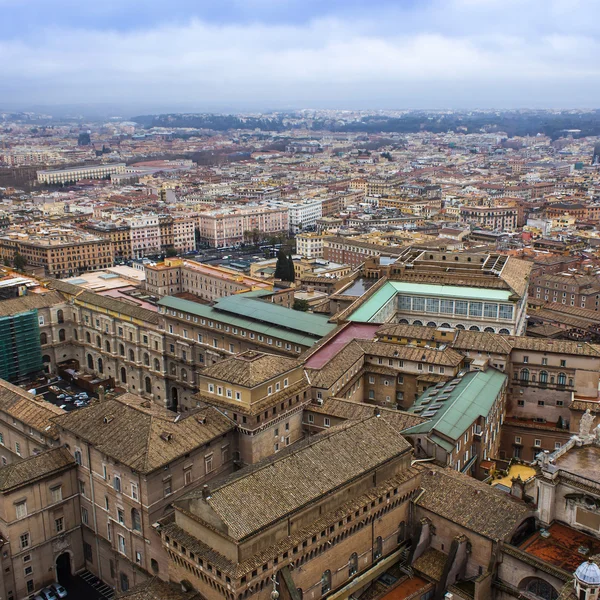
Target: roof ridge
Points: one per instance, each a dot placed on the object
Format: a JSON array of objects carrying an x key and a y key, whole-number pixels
[{"x": 319, "y": 438}]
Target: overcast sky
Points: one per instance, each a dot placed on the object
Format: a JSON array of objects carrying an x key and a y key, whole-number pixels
[{"x": 269, "y": 54}]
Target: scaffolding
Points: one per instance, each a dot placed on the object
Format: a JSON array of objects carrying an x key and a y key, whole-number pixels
[{"x": 20, "y": 349}]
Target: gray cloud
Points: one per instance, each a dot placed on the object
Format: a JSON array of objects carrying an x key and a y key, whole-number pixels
[{"x": 450, "y": 53}]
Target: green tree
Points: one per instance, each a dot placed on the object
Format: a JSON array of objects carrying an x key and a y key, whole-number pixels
[
  {"x": 291, "y": 270},
  {"x": 171, "y": 252},
  {"x": 282, "y": 266},
  {"x": 19, "y": 262},
  {"x": 6, "y": 262},
  {"x": 301, "y": 305}
]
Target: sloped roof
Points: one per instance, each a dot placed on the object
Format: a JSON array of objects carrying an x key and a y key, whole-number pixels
[
  {"x": 251, "y": 502},
  {"x": 31, "y": 301},
  {"x": 35, "y": 467},
  {"x": 25, "y": 407},
  {"x": 250, "y": 368},
  {"x": 469, "y": 503},
  {"x": 140, "y": 434},
  {"x": 473, "y": 396},
  {"x": 359, "y": 411}
]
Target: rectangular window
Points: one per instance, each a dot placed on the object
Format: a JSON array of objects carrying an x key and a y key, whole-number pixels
[
  {"x": 475, "y": 309},
  {"x": 134, "y": 491},
  {"x": 238, "y": 396},
  {"x": 84, "y": 516},
  {"x": 208, "y": 463},
  {"x": 311, "y": 418},
  {"x": 59, "y": 524},
  {"x": 21, "y": 510},
  {"x": 460, "y": 307},
  {"x": 327, "y": 422},
  {"x": 24, "y": 540},
  {"x": 120, "y": 516},
  {"x": 168, "y": 490},
  {"x": 30, "y": 587},
  {"x": 537, "y": 443},
  {"x": 121, "y": 545},
  {"x": 87, "y": 552},
  {"x": 18, "y": 448},
  {"x": 187, "y": 477},
  {"x": 56, "y": 493}
]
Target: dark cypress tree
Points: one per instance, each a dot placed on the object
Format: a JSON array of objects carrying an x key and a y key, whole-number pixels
[
  {"x": 282, "y": 267},
  {"x": 291, "y": 270}
]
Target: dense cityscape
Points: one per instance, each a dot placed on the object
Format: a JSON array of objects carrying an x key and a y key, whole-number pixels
[{"x": 315, "y": 354}]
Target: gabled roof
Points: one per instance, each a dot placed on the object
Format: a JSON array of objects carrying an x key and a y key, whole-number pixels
[
  {"x": 31, "y": 301},
  {"x": 26, "y": 408},
  {"x": 140, "y": 434},
  {"x": 36, "y": 467},
  {"x": 469, "y": 503},
  {"x": 250, "y": 368},
  {"x": 251, "y": 502},
  {"x": 459, "y": 403}
]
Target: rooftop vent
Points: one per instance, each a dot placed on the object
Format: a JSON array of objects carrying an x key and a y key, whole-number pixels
[
  {"x": 107, "y": 419},
  {"x": 166, "y": 436}
]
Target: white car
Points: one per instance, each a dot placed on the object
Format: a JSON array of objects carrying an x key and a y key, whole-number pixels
[{"x": 59, "y": 590}]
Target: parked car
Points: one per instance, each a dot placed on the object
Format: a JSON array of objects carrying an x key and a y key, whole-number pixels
[
  {"x": 59, "y": 590},
  {"x": 49, "y": 594}
]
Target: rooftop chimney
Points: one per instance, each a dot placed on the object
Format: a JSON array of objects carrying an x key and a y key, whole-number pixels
[
  {"x": 205, "y": 492},
  {"x": 377, "y": 412}
]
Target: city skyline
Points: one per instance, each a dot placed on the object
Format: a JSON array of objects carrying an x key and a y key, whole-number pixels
[{"x": 262, "y": 55}]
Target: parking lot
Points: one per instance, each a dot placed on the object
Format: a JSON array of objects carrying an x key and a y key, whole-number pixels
[{"x": 64, "y": 394}]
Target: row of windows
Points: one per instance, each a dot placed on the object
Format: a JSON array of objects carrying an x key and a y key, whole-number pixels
[{"x": 488, "y": 310}]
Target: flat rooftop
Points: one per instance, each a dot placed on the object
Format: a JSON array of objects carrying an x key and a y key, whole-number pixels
[
  {"x": 584, "y": 462},
  {"x": 562, "y": 548}
]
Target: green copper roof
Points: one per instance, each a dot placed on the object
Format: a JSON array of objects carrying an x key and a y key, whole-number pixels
[
  {"x": 369, "y": 309},
  {"x": 245, "y": 318},
  {"x": 472, "y": 396}
]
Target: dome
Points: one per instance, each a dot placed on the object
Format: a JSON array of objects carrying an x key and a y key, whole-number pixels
[{"x": 588, "y": 572}]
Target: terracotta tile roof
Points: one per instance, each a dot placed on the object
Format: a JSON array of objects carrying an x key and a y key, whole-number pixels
[
  {"x": 263, "y": 496},
  {"x": 251, "y": 368},
  {"x": 335, "y": 368},
  {"x": 30, "y": 302},
  {"x": 407, "y": 331},
  {"x": 516, "y": 273},
  {"x": 470, "y": 503},
  {"x": 156, "y": 589},
  {"x": 105, "y": 303},
  {"x": 358, "y": 411},
  {"x": 431, "y": 563},
  {"x": 322, "y": 522},
  {"x": 26, "y": 408},
  {"x": 439, "y": 356},
  {"x": 483, "y": 341},
  {"x": 141, "y": 434},
  {"x": 34, "y": 468}
]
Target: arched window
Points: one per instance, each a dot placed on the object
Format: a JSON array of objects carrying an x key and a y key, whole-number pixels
[
  {"x": 401, "y": 532},
  {"x": 136, "y": 520},
  {"x": 300, "y": 593},
  {"x": 43, "y": 338},
  {"x": 98, "y": 341},
  {"x": 460, "y": 326},
  {"x": 431, "y": 324},
  {"x": 474, "y": 328},
  {"x": 446, "y": 326},
  {"x": 62, "y": 336},
  {"x": 156, "y": 364},
  {"x": 403, "y": 321},
  {"x": 100, "y": 366},
  {"x": 88, "y": 337},
  {"x": 504, "y": 331},
  {"x": 378, "y": 548},
  {"x": 183, "y": 374},
  {"x": 75, "y": 334},
  {"x": 489, "y": 330},
  {"x": 325, "y": 582},
  {"x": 123, "y": 375},
  {"x": 121, "y": 350},
  {"x": 46, "y": 359},
  {"x": 539, "y": 588},
  {"x": 419, "y": 323},
  {"x": 131, "y": 355},
  {"x": 148, "y": 384},
  {"x": 60, "y": 316},
  {"x": 524, "y": 374},
  {"x": 90, "y": 361},
  {"x": 543, "y": 377},
  {"x": 154, "y": 565},
  {"x": 146, "y": 359},
  {"x": 107, "y": 345},
  {"x": 562, "y": 379},
  {"x": 353, "y": 564}
]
